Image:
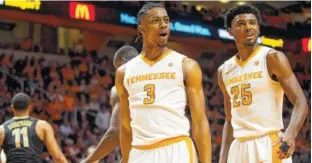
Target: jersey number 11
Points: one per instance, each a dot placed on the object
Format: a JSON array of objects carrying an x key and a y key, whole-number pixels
[{"x": 17, "y": 133}]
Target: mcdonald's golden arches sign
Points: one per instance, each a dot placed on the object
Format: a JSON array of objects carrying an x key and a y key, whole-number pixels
[{"x": 82, "y": 11}]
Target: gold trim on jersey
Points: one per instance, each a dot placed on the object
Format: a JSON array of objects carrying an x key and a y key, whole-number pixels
[
  {"x": 151, "y": 63},
  {"x": 243, "y": 139},
  {"x": 190, "y": 149},
  {"x": 243, "y": 63},
  {"x": 274, "y": 138}
]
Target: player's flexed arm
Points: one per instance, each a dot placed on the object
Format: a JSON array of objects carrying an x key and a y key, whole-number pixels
[
  {"x": 278, "y": 65},
  {"x": 200, "y": 125},
  {"x": 227, "y": 135},
  {"x": 125, "y": 128}
]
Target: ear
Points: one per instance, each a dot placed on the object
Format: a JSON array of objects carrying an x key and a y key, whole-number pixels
[
  {"x": 141, "y": 29},
  {"x": 229, "y": 30},
  {"x": 123, "y": 60}
]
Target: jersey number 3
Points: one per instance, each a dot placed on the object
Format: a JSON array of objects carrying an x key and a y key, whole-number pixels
[
  {"x": 150, "y": 88},
  {"x": 246, "y": 95},
  {"x": 17, "y": 133}
]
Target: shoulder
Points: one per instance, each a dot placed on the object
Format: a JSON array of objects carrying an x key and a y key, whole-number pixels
[
  {"x": 43, "y": 125},
  {"x": 275, "y": 55},
  {"x": 189, "y": 63},
  {"x": 191, "y": 68}
]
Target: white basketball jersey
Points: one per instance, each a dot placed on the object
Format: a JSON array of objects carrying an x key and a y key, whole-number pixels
[
  {"x": 157, "y": 98},
  {"x": 256, "y": 99}
]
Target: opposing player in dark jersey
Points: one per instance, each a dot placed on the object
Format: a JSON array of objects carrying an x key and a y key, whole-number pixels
[
  {"x": 22, "y": 138},
  {"x": 111, "y": 138}
]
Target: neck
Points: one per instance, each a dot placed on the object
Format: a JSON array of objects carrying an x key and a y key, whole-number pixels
[
  {"x": 21, "y": 114},
  {"x": 152, "y": 52},
  {"x": 245, "y": 51}
]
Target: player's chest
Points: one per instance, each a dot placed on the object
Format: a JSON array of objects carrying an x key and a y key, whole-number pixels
[
  {"x": 252, "y": 76},
  {"x": 164, "y": 76}
]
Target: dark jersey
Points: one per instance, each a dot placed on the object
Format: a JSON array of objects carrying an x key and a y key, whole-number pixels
[{"x": 21, "y": 143}]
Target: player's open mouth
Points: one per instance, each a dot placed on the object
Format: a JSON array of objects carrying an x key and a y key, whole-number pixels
[{"x": 163, "y": 34}]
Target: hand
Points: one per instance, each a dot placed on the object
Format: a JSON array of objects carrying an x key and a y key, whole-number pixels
[{"x": 287, "y": 145}]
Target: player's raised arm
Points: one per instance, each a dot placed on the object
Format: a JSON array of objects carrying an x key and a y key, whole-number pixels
[
  {"x": 200, "y": 125},
  {"x": 111, "y": 138},
  {"x": 279, "y": 66},
  {"x": 227, "y": 135},
  {"x": 49, "y": 140},
  {"x": 125, "y": 128}
]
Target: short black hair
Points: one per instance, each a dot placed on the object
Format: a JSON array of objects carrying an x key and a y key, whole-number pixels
[
  {"x": 127, "y": 52},
  {"x": 145, "y": 8},
  {"x": 20, "y": 101},
  {"x": 240, "y": 9}
]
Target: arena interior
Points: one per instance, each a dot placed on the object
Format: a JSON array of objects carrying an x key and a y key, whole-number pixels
[{"x": 60, "y": 53}]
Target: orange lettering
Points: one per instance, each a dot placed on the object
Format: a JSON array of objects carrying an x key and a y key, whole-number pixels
[
  {"x": 138, "y": 78},
  {"x": 255, "y": 75},
  {"x": 173, "y": 75},
  {"x": 128, "y": 81},
  {"x": 155, "y": 76},
  {"x": 144, "y": 77},
  {"x": 162, "y": 75},
  {"x": 260, "y": 74},
  {"x": 167, "y": 75},
  {"x": 245, "y": 76},
  {"x": 249, "y": 76},
  {"x": 132, "y": 80},
  {"x": 150, "y": 76},
  {"x": 241, "y": 78}
]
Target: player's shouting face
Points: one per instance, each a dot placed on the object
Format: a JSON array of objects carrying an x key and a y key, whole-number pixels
[{"x": 155, "y": 27}]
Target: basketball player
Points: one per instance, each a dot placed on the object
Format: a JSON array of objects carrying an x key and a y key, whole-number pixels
[
  {"x": 111, "y": 138},
  {"x": 253, "y": 83},
  {"x": 22, "y": 137},
  {"x": 153, "y": 89}
]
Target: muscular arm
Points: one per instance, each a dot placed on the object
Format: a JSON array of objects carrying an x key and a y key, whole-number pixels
[
  {"x": 279, "y": 66},
  {"x": 125, "y": 128},
  {"x": 49, "y": 140},
  {"x": 200, "y": 125},
  {"x": 227, "y": 135},
  {"x": 111, "y": 138}
]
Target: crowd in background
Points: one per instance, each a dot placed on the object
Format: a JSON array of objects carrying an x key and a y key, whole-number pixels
[
  {"x": 213, "y": 14},
  {"x": 74, "y": 98}
]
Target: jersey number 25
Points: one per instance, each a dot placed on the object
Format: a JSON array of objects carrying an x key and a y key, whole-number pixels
[{"x": 242, "y": 91}]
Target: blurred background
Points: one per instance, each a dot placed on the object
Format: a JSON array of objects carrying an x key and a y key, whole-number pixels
[{"x": 60, "y": 53}]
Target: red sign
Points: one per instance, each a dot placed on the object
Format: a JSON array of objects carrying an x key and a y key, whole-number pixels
[
  {"x": 81, "y": 11},
  {"x": 306, "y": 44}
]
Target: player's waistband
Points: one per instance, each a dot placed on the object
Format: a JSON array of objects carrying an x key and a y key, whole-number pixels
[
  {"x": 164, "y": 143},
  {"x": 270, "y": 133}
]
